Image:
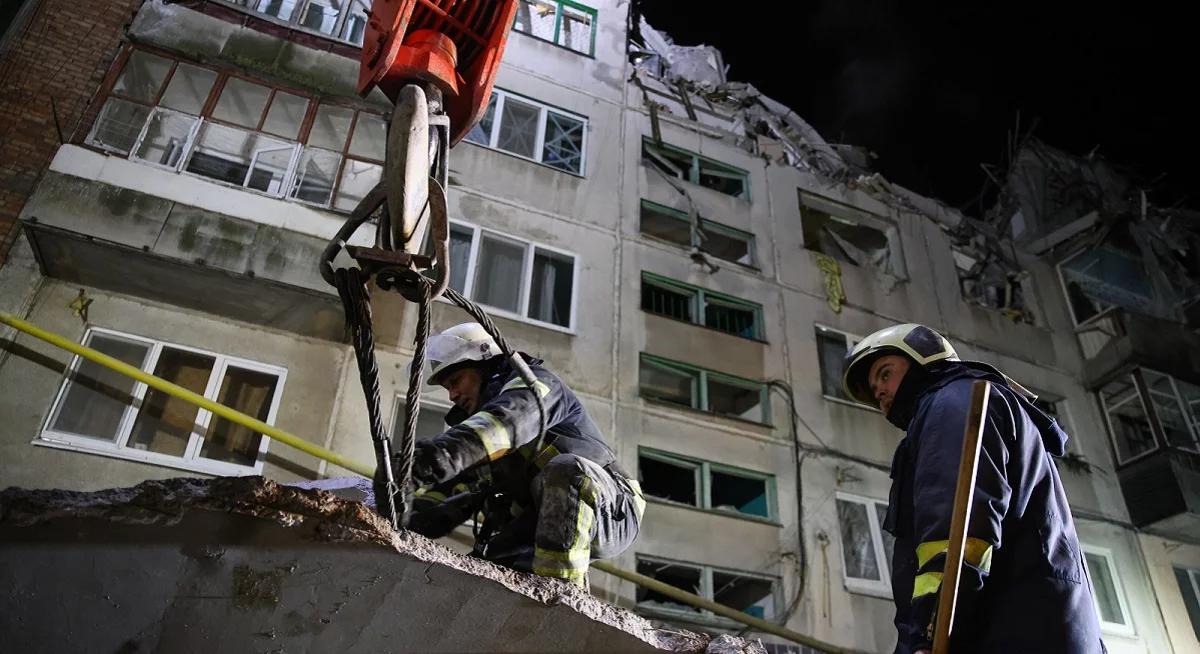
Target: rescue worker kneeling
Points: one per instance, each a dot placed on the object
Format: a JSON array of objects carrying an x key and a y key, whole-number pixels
[
  {"x": 1022, "y": 587},
  {"x": 549, "y": 512}
]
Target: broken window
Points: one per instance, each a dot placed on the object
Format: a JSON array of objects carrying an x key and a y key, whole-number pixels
[
  {"x": 706, "y": 485},
  {"x": 742, "y": 591},
  {"x": 1108, "y": 594},
  {"x": 565, "y": 23},
  {"x": 850, "y": 235},
  {"x": 667, "y": 297},
  {"x": 664, "y": 380},
  {"x": 866, "y": 556},
  {"x": 532, "y": 130},
  {"x": 1099, "y": 279},
  {"x": 339, "y": 19},
  {"x": 102, "y": 412},
  {"x": 832, "y": 346},
  {"x": 696, "y": 169},
  {"x": 1189, "y": 587},
  {"x": 431, "y": 420},
  {"x": 670, "y": 478},
  {"x": 1127, "y": 419},
  {"x": 713, "y": 238},
  {"x": 512, "y": 275}
]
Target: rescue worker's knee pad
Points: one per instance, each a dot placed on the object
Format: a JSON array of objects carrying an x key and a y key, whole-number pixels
[{"x": 563, "y": 470}]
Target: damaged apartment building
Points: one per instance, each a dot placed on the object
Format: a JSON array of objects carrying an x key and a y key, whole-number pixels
[{"x": 691, "y": 256}]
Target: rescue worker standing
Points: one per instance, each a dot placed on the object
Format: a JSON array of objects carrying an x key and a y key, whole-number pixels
[
  {"x": 549, "y": 512},
  {"x": 1023, "y": 586}
]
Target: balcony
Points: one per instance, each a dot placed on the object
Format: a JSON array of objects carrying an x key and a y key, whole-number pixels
[
  {"x": 1116, "y": 340},
  {"x": 1162, "y": 491}
]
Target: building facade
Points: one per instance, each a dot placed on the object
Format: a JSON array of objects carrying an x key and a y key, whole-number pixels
[{"x": 693, "y": 271}]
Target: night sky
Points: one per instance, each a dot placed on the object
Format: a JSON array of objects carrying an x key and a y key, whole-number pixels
[{"x": 934, "y": 88}]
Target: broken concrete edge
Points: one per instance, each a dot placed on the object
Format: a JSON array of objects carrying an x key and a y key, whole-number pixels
[{"x": 325, "y": 517}]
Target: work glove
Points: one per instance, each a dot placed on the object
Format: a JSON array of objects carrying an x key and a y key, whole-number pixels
[{"x": 431, "y": 464}]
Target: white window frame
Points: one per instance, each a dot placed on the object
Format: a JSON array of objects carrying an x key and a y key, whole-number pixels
[
  {"x": 1115, "y": 628},
  {"x": 1138, "y": 387},
  {"x": 851, "y": 341},
  {"x": 540, "y": 138},
  {"x": 531, "y": 248},
  {"x": 293, "y": 21},
  {"x": 882, "y": 587},
  {"x": 191, "y": 459},
  {"x": 704, "y": 470},
  {"x": 706, "y": 590},
  {"x": 399, "y": 403}
]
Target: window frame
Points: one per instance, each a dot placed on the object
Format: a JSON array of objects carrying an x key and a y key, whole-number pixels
[
  {"x": 293, "y": 21},
  {"x": 191, "y": 460},
  {"x": 1120, "y": 629},
  {"x": 530, "y": 251},
  {"x": 848, "y": 213},
  {"x": 693, "y": 174},
  {"x": 1193, "y": 576},
  {"x": 399, "y": 403},
  {"x": 700, "y": 296},
  {"x": 706, "y": 590},
  {"x": 558, "y": 17},
  {"x": 500, "y": 95},
  {"x": 1142, "y": 392},
  {"x": 700, "y": 388},
  {"x": 705, "y": 224},
  {"x": 704, "y": 470},
  {"x": 851, "y": 341},
  {"x": 882, "y": 587}
]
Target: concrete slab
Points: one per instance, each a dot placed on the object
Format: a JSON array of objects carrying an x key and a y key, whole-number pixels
[{"x": 244, "y": 564}]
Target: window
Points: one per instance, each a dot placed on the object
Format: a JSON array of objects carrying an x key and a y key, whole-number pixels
[
  {"x": 712, "y": 238},
  {"x": 1175, "y": 403},
  {"x": 693, "y": 304},
  {"x": 103, "y": 412},
  {"x": 866, "y": 548},
  {"x": 1189, "y": 587},
  {"x": 706, "y": 485},
  {"x": 1109, "y": 596},
  {"x": 431, "y": 421},
  {"x": 1102, "y": 278},
  {"x": 850, "y": 235},
  {"x": 345, "y": 20},
  {"x": 255, "y": 137},
  {"x": 515, "y": 277},
  {"x": 984, "y": 281},
  {"x": 742, "y": 591},
  {"x": 562, "y": 22},
  {"x": 533, "y": 131},
  {"x": 832, "y": 346},
  {"x": 678, "y": 383},
  {"x": 690, "y": 167}
]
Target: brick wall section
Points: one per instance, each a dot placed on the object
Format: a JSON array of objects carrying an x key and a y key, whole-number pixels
[{"x": 53, "y": 67}]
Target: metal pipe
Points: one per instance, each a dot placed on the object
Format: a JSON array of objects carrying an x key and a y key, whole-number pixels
[
  {"x": 720, "y": 609},
  {"x": 184, "y": 394}
]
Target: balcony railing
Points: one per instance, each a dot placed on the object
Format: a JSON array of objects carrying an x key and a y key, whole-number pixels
[{"x": 1162, "y": 491}]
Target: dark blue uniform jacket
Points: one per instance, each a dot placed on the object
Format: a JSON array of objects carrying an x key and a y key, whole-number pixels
[{"x": 1022, "y": 587}]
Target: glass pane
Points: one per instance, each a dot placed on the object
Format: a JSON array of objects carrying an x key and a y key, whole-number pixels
[
  {"x": 188, "y": 89},
  {"x": 727, "y": 246},
  {"x": 278, "y": 8},
  {"x": 143, "y": 76},
  {"x": 685, "y": 577},
  {"x": 321, "y": 15},
  {"x": 119, "y": 124},
  {"x": 330, "y": 127},
  {"x": 460, "y": 256},
  {"x": 1106, "y": 590},
  {"x": 370, "y": 137},
  {"x": 1131, "y": 429},
  {"x": 498, "y": 273},
  {"x": 96, "y": 397},
  {"x": 315, "y": 176},
  {"x": 720, "y": 178},
  {"x": 677, "y": 482},
  {"x": 889, "y": 541},
  {"x": 536, "y": 17},
  {"x": 166, "y": 137},
  {"x": 250, "y": 392},
  {"x": 358, "y": 178},
  {"x": 518, "y": 128},
  {"x": 242, "y": 102},
  {"x": 1168, "y": 408},
  {"x": 356, "y": 23},
  {"x": 858, "y": 548},
  {"x": 481, "y": 133},
  {"x": 667, "y": 226},
  {"x": 746, "y": 594},
  {"x": 831, "y": 352},
  {"x": 576, "y": 30},
  {"x": 249, "y": 159},
  {"x": 1185, "y": 578},
  {"x": 731, "y": 318},
  {"x": 165, "y": 423},
  {"x": 563, "y": 144},
  {"x": 738, "y": 493},
  {"x": 668, "y": 161},
  {"x": 550, "y": 292},
  {"x": 286, "y": 113},
  {"x": 667, "y": 384},
  {"x": 729, "y": 398},
  {"x": 431, "y": 422},
  {"x": 667, "y": 301}
]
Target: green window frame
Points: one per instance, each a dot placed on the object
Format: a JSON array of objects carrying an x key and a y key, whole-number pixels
[
  {"x": 558, "y": 21},
  {"x": 721, "y": 585},
  {"x": 692, "y": 240},
  {"x": 696, "y": 168},
  {"x": 704, "y": 483},
  {"x": 701, "y": 379},
  {"x": 701, "y": 299}
]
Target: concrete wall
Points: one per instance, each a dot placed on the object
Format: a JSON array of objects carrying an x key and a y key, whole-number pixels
[{"x": 1162, "y": 557}]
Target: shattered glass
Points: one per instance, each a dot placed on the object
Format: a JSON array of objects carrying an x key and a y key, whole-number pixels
[
  {"x": 563, "y": 146},
  {"x": 667, "y": 384},
  {"x": 676, "y": 481},
  {"x": 747, "y": 594},
  {"x": 682, "y": 576},
  {"x": 858, "y": 547},
  {"x": 739, "y": 493},
  {"x": 729, "y": 397},
  {"x": 315, "y": 176},
  {"x": 518, "y": 128}
]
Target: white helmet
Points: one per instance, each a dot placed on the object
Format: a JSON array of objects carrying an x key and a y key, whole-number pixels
[
  {"x": 921, "y": 344},
  {"x": 458, "y": 345}
]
